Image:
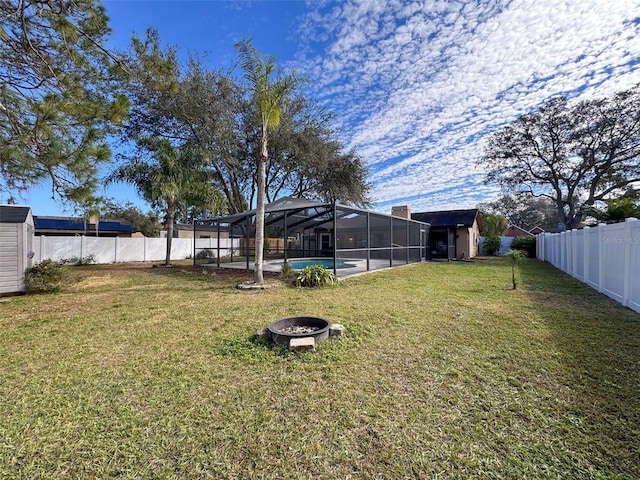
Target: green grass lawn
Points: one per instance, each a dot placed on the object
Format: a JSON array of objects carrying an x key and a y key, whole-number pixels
[{"x": 445, "y": 372}]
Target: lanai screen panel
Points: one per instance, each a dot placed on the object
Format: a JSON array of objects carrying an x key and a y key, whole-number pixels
[
  {"x": 380, "y": 240},
  {"x": 400, "y": 241},
  {"x": 417, "y": 241}
]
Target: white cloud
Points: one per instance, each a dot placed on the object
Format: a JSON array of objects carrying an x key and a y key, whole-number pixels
[{"x": 419, "y": 85}]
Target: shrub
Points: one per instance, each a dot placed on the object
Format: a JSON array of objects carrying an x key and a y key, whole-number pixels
[
  {"x": 491, "y": 245},
  {"x": 47, "y": 276},
  {"x": 205, "y": 254},
  {"x": 527, "y": 244},
  {"x": 315, "y": 276}
]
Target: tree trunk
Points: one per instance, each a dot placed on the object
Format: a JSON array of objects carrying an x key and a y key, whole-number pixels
[
  {"x": 259, "y": 240},
  {"x": 513, "y": 274},
  {"x": 171, "y": 213}
]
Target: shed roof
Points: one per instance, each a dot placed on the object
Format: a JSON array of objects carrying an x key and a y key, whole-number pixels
[
  {"x": 448, "y": 218},
  {"x": 14, "y": 213}
]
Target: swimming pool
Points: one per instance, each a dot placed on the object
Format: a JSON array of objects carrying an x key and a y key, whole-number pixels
[{"x": 301, "y": 263}]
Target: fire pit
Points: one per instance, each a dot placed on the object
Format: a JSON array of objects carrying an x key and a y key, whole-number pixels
[{"x": 282, "y": 331}]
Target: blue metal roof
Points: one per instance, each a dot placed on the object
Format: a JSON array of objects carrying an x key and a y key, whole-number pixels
[{"x": 75, "y": 224}]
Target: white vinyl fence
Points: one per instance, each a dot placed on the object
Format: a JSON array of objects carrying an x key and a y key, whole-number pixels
[
  {"x": 120, "y": 250},
  {"x": 606, "y": 257}
]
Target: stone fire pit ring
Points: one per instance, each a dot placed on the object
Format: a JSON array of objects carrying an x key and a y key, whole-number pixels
[{"x": 282, "y": 331}]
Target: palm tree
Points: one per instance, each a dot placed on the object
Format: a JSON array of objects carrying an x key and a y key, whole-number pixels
[
  {"x": 175, "y": 175},
  {"x": 267, "y": 97},
  {"x": 493, "y": 224},
  {"x": 515, "y": 256}
]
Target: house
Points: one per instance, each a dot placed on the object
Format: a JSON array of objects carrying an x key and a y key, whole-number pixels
[
  {"x": 516, "y": 231},
  {"x": 16, "y": 247},
  {"x": 453, "y": 233},
  {"x": 57, "y": 226},
  {"x": 537, "y": 230},
  {"x": 186, "y": 230}
]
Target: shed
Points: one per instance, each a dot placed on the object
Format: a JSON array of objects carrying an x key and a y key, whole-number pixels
[{"x": 16, "y": 246}]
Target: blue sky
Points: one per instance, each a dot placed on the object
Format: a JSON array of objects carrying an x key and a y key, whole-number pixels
[{"x": 417, "y": 85}]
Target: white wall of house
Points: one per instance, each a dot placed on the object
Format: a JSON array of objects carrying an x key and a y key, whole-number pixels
[
  {"x": 120, "y": 250},
  {"x": 468, "y": 241},
  {"x": 606, "y": 257}
]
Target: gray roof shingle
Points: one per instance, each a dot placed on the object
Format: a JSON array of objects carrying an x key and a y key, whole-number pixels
[
  {"x": 13, "y": 213},
  {"x": 450, "y": 218}
]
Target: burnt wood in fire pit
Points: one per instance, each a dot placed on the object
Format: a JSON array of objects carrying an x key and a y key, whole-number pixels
[{"x": 282, "y": 331}]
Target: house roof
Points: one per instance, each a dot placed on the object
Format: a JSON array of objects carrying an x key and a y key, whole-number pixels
[
  {"x": 78, "y": 224},
  {"x": 14, "y": 213},
  {"x": 516, "y": 231},
  {"x": 448, "y": 218}
]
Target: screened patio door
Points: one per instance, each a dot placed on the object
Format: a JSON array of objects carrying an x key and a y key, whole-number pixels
[
  {"x": 325, "y": 243},
  {"x": 451, "y": 234}
]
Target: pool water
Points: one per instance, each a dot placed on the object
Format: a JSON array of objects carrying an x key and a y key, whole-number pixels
[{"x": 302, "y": 263}]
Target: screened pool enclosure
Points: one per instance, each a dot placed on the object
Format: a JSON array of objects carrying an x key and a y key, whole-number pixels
[{"x": 346, "y": 240}]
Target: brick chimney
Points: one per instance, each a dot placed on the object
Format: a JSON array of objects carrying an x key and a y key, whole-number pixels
[{"x": 403, "y": 211}]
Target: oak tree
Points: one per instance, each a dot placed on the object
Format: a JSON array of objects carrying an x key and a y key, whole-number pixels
[{"x": 575, "y": 154}]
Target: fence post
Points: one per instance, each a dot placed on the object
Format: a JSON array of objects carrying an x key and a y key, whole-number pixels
[
  {"x": 563, "y": 251},
  {"x": 585, "y": 255},
  {"x": 42, "y": 245},
  {"x": 601, "y": 227},
  {"x": 627, "y": 260},
  {"x": 115, "y": 254},
  {"x": 547, "y": 250},
  {"x": 81, "y": 246},
  {"x": 574, "y": 253}
]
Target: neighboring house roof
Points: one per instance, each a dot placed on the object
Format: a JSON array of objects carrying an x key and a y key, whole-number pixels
[
  {"x": 449, "y": 218},
  {"x": 516, "y": 231},
  {"x": 537, "y": 230},
  {"x": 183, "y": 226},
  {"x": 77, "y": 224},
  {"x": 13, "y": 214}
]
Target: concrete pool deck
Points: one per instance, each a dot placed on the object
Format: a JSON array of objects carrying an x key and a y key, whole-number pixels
[{"x": 275, "y": 266}]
